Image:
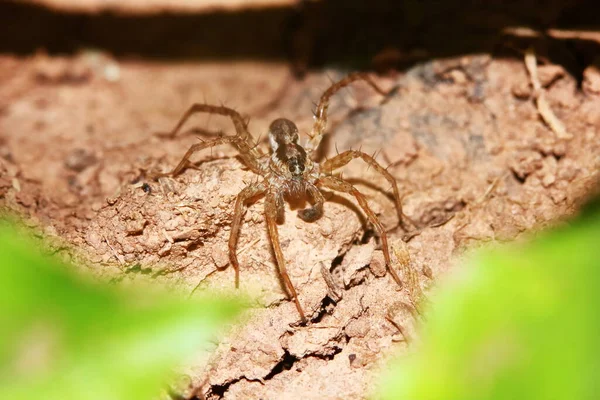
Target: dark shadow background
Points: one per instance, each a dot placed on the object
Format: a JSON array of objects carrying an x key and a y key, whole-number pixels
[{"x": 348, "y": 33}]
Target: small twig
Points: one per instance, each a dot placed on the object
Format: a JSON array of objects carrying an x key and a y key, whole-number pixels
[
  {"x": 202, "y": 281},
  {"x": 541, "y": 102},
  {"x": 491, "y": 188},
  {"x": 115, "y": 254},
  {"x": 251, "y": 244}
]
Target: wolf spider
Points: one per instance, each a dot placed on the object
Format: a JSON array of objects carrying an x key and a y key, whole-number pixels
[{"x": 290, "y": 171}]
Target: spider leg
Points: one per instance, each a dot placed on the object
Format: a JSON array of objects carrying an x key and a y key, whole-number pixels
[
  {"x": 328, "y": 166},
  {"x": 254, "y": 189},
  {"x": 271, "y": 213},
  {"x": 244, "y": 141},
  {"x": 321, "y": 112},
  {"x": 236, "y": 118},
  {"x": 339, "y": 185},
  {"x": 194, "y": 148}
]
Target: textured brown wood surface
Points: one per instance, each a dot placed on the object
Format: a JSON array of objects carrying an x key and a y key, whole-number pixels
[{"x": 155, "y": 6}]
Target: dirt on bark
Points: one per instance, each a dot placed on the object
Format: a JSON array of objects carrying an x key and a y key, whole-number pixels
[{"x": 462, "y": 136}]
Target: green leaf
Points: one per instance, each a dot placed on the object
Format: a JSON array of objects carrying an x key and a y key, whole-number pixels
[
  {"x": 517, "y": 322},
  {"x": 63, "y": 336}
]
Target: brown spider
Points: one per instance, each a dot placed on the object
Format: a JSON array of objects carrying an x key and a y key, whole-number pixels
[{"x": 290, "y": 171}]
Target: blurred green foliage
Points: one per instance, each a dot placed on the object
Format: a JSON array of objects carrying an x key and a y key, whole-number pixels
[
  {"x": 63, "y": 336},
  {"x": 517, "y": 322}
]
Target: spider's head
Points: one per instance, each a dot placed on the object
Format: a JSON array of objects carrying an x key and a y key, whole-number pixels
[{"x": 289, "y": 156}]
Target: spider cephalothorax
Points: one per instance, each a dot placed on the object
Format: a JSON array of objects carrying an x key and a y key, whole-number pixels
[
  {"x": 290, "y": 171},
  {"x": 283, "y": 136}
]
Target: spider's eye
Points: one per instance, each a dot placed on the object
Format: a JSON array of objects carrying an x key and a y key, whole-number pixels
[{"x": 295, "y": 167}]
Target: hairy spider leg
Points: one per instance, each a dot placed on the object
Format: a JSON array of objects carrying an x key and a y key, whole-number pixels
[
  {"x": 272, "y": 211},
  {"x": 243, "y": 143},
  {"x": 340, "y": 160},
  {"x": 197, "y": 147},
  {"x": 331, "y": 182},
  {"x": 252, "y": 190},
  {"x": 320, "y": 124}
]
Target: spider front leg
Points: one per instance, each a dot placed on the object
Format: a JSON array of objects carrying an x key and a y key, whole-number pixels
[
  {"x": 243, "y": 142},
  {"x": 247, "y": 193},
  {"x": 273, "y": 209},
  {"x": 344, "y": 158},
  {"x": 321, "y": 113},
  {"x": 339, "y": 185}
]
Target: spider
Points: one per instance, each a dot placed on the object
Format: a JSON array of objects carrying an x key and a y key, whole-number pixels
[{"x": 290, "y": 171}]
